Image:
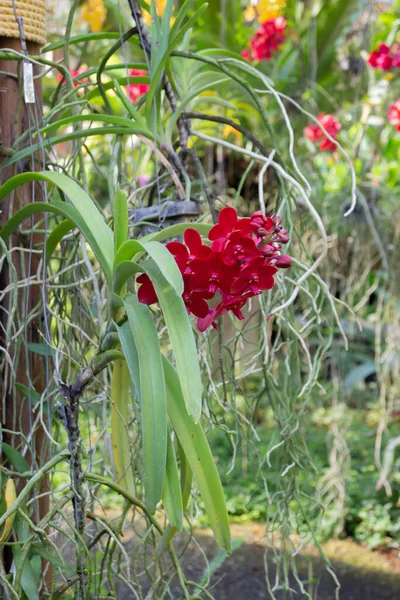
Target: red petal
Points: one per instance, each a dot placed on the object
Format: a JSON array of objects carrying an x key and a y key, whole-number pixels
[
  {"x": 198, "y": 307},
  {"x": 204, "y": 252},
  {"x": 243, "y": 225},
  {"x": 204, "y": 323},
  {"x": 229, "y": 257},
  {"x": 227, "y": 218},
  {"x": 178, "y": 250},
  {"x": 192, "y": 240},
  {"x": 199, "y": 282},
  {"x": 143, "y": 278},
  {"x": 226, "y": 279},
  {"x": 216, "y": 232},
  {"x": 219, "y": 244},
  {"x": 239, "y": 284},
  {"x": 266, "y": 282},
  {"x": 250, "y": 247},
  {"x": 200, "y": 266},
  {"x": 147, "y": 294}
]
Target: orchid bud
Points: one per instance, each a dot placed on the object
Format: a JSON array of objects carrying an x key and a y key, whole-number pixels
[{"x": 283, "y": 262}]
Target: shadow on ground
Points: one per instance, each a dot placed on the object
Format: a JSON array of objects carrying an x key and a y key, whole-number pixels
[{"x": 363, "y": 575}]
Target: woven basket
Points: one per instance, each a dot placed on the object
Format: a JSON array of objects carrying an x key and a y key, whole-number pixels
[{"x": 33, "y": 14}]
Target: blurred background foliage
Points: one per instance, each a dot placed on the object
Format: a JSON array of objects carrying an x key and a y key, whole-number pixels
[
  {"x": 305, "y": 430},
  {"x": 321, "y": 66}
]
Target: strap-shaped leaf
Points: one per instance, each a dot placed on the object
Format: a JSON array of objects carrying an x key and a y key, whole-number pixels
[
  {"x": 152, "y": 395},
  {"x": 159, "y": 30},
  {"x": 131, "y": 355},
  {"x": 64, "y": 210},
  {"x": 198, "y": 453},
  {"x": 120, "y": 387},
  {"x": 186, "y": 486},
  {"x": 132, "y": 110},
  {"x": 121, "y": 223},
  {"x": 15, "y": 458},
  {"x": 127, "y": 251},
  {"x": 210, "y": 80},
  {"x": 29, "y": 577},
  {"x": 122, "y": 273},
  {"x": 172, "y": 496},
  {"x": 57, "y": 235},
  {"x": 10, "y": 496},
  {"x": 162, "y": 57},
  {"x": 49, "y": 553},
  {"x": 86, "y": 37},
  {"x": 175, "y": 231},
  {"x": 91, "y": 221},
  {"x": 182, "y": 339},
  {"x": 166, "y": 264},
  {"x": 76, "y": 135},
  {"x": 161, "y": 256}
]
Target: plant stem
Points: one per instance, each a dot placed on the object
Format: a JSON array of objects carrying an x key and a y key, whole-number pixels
[{"x": 69, "y": 413}]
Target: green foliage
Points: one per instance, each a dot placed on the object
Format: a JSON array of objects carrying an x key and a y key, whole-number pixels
[
  {"x": 200, "y": 459},
  {"x": 285, "y": 452},
  {"x": 172, "y": 495},
  {"x": 152, "y": 398}
]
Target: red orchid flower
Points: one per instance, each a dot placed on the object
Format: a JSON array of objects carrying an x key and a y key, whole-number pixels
[
  {"x": 255, "y": 276},
  {"x": 232, "y": 303},
  {"x": 315, "y": 133},
  {"x": 268, "y": 38},
  {"x": 385, "y": 57},
  {"x": 183, "y": 256},
  {"x": 212, "y": 275},
  {"x": 136, "y": 90},
  {"x": 380, "y": 59},
  {"x": 227, "y": 223},
  {"x": 260, "y": 224},
  {"x": 238, "y": 248},
  {"x": 74, "y": 75},
  {"x": 195, "y": 303},
  {"x": 240, "y": 264},
  {"x": 394, "y": 114},
  {"x": 205, "y": 322},
  {"x": 228, "y": 303}
]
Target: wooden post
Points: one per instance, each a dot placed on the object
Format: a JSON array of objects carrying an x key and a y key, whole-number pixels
[{"x": 15, "y": 409}]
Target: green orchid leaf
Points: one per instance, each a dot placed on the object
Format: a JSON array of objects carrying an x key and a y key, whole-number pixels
[
  {"x": 153, "y": 398},
  {"x": 172, "y": 495},
  {"x": 182, "y": 339},
  {"x": 175, "y": 231},
  {"x": 199, "y": 456},
  {"x": 161, "y": 256},
  {"x": 121, "y": 219},
  {"x": 56, "y": 235},
  {"x": 120, "y": 387},
  {"x": 90, "y": 221}
]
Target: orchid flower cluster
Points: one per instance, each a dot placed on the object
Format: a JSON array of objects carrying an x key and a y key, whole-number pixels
[
  {"x": 244, "y": 255},
  {"x": 74, "y": 74},
  {"x": 394, "y": 114},
  {"x": 267, "y": 39},
  {"x": 385, "y": 57},
  {"x": 136, "y": 90},
  {"x": 315, "y": 133}
]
